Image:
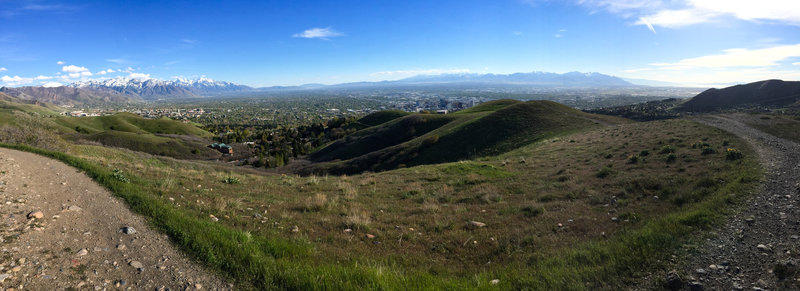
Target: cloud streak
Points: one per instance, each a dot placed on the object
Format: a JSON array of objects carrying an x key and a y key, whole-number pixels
[
  {"x": 317, "y": 32},
  {"x": 415, "y": 72},
  {"x": 738, "y": 57},
  {"x": 734, "y": 65},
  {"x": 682, "y": 13}
]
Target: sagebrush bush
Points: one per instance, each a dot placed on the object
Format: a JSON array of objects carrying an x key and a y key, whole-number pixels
[
  {"x": 31, "y": 131},
  {"x": 733, "y": 154}
]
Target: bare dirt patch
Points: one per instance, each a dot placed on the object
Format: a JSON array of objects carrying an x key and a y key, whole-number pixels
[{"x": 85, "y": 238}]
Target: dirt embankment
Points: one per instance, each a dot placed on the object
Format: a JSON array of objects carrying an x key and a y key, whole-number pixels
[
  {"x": 61, "y": 230},
  {"x": 759, "y": 247}
]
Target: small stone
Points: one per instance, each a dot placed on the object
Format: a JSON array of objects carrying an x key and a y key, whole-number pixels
[
  {"x": 348, "y": 230},
  {"x": 695, "y": 286},
  {"x": 700, "y": 271},
  {"x": 35, "y": 214},
  {"x": 3, "y": 277},
  {"x": 295, "y": 229},
  {"x": 137, "y": 264},
  {"x": 762, "y": 247},
  {"x": 560, "y": 225},
  {"x": 494, "y": 282},
  {"x": 198, "y": 286},
  {"x": 74, "y": 208},
  {"x": 21, "y": 261},
  {"x": 370, "y": 236},
  {"x": 16, "y": 269},
  {"x": 121, "y": 247},
  {"x": 128, "y": 230},
  {"x": 477, "y": 224},
  {"x": 83, "y": 252},
  {"x": 614, "y": 219},
  {"x": 712, "y": 267}
]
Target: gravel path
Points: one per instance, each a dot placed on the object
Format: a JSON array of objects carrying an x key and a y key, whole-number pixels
[
  {"x": 758, "y": 248},
  {"x": 61, "y": 230}
]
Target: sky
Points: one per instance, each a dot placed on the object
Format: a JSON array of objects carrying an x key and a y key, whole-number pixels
[{"x": 268, "y": 43}]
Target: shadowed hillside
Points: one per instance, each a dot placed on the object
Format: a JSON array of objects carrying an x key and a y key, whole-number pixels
[
  {"x": 763, "y": 93},
  {"x": 489, "y": 129}
]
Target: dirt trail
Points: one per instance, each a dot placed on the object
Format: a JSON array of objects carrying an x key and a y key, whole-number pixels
[
  {"x": 85, "y": 239},
  {"x": 758, "y": 249}
]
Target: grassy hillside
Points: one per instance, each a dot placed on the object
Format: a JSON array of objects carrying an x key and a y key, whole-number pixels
[
  {"x": 10, "y": 104},
  {"x": 128, "y": 122},
  {"x": 164, "y": 137},
  {"x": 589, "y": 210},
  {"x": 417, "y": 139},
  {"x": 378, "y": 118}
]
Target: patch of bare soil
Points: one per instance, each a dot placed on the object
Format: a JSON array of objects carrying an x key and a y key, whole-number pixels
[{"x": 61, "y": 230}]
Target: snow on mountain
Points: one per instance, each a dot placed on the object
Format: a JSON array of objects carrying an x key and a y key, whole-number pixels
[{"x": 149, "y": 88}]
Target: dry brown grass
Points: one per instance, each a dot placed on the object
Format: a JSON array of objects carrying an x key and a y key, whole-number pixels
[{"x": 358, "y": 219}]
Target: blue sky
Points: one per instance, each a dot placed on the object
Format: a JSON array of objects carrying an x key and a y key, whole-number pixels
[{"x": 265, "y": 43}]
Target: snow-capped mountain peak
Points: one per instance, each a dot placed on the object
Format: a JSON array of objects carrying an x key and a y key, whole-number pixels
[{"x": 149, "y": 88}]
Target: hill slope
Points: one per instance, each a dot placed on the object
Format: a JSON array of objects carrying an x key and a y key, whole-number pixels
[
  {"x": 163, "y": 136},
  {"x": 762, "y": 93},
  {"x": 489, "y": 129}
]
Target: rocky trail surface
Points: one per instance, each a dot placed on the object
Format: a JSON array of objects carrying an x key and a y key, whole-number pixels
[
  {"x": 759, "y": 247},
  {"x": 61, "y": 230}
]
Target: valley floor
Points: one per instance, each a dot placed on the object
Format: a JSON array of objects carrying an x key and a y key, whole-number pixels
[{"x": 61, "y": 230}]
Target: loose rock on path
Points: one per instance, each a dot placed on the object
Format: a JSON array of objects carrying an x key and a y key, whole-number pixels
[
  {"x": 73, "y": 239},
  {"x": 758, "y": 248}
]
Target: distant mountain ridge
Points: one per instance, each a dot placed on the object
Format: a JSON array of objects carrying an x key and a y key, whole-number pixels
[
  {"x": 124, "y": 89},
  {"x": 127, "y": 89},
  {"x": 571, "y": 79},
  {"x": 154, "y": 88}
]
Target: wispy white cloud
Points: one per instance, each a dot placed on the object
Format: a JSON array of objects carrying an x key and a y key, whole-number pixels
[
  {"x": 317, "y": 32},
  {"x": 681, "y": 13},
  {"x": 729, "y": 66},
  {"x": 59, "y": 63},
  {"x": 738, "y": 57},
  {"x": 119, "y": 61},
  {"x": 15, "y": 81},
  {"x": 28, "y": 8},
  {"x": 676, "y": 18},
  {"x": 415, "y": 72},
  {"x": 52, "y": 84},
  {"x": 103, "y": 72},
  {"x": 74, "y": 69},
  {"x": 3, "y": 69},
  {"x": 139, "y": 76}
]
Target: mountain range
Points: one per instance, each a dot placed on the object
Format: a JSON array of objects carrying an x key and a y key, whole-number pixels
[{"x": 123, "y": 89}]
